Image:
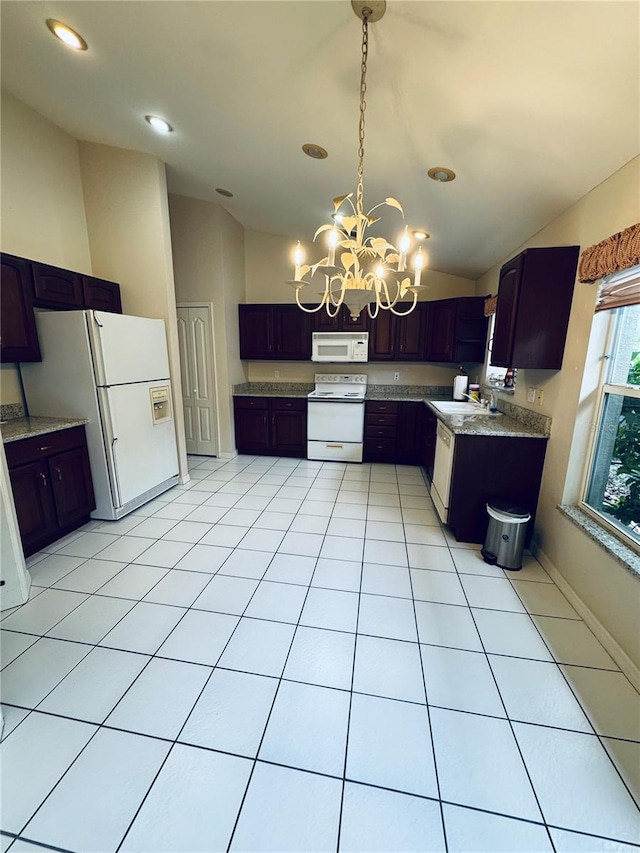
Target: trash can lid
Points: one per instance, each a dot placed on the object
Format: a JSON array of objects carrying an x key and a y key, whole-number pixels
[{"x": 507, "y": 507}]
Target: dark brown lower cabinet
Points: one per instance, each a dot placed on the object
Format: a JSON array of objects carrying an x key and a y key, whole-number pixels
[
  {"x": 486, "y": 467},
  {"x": 51, "y": 483},
  {"x": 271, "y": 426},
  {"x": 393, "y": 432}
]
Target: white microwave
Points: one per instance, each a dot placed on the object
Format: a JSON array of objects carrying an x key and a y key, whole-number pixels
[{"x": 340, "y": 346}]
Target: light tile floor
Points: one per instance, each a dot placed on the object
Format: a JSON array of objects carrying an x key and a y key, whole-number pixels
[{"x": 287, "y": 655}]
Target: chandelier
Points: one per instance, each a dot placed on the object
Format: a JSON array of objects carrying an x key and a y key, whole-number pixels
[{"x": 361, "y": 271}]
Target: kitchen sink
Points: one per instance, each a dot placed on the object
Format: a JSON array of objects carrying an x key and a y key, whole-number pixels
[{"x": 448, "y": 407}]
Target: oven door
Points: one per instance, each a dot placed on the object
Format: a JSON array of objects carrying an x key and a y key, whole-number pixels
[{"x": 339, "y": 420}]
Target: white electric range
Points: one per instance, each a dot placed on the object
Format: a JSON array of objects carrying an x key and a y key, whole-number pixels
[{"x": 335, "y": 419}]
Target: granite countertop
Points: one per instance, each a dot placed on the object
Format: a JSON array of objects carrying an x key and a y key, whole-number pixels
[
  {"x": 416, "y": 393},
  {"x": 498, "y": 425},
  {"x": 18, "y": 428}
]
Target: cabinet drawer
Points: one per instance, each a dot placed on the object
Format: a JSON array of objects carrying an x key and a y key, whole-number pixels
[
  {"x": 388, "y": 407},
  {"x": 288, "y": 404},
  {"x": 381, "y": 420},
  {"x": 372, "y": 431},
  {"x": 42, "y": 446},
  {"x": 250, "y": 402},
  {"x": 380, "y": 448}
]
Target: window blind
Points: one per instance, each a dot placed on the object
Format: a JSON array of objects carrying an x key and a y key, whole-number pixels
[{"x": 619, "y": 290}]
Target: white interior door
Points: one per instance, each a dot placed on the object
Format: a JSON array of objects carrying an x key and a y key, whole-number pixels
[{"x": 195, "y": 336}]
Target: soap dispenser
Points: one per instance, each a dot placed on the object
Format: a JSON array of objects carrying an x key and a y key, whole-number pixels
[{"x": 460, "y": 384}]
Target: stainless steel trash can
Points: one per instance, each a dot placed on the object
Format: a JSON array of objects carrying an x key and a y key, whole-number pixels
[{"x": 506, "y": 533}]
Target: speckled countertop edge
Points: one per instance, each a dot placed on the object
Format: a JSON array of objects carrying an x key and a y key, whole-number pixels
[
  {"x": 19, "y": 428},
  {"x": 617, "y": 549}
]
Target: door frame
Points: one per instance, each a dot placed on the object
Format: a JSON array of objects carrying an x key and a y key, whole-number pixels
[{"x": 209, "y": 308}]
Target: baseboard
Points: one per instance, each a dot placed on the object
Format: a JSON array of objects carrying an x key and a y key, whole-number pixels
[
  {"x": 623, "y": 660},
  {"x": 227, "y": 454}
]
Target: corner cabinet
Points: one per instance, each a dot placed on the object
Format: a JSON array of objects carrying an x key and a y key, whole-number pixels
[
  {"x": 534, "y": 304},
  {"x": 456, "y": 330},
  {"x": 274, "y": 332},
  {"x": 51, "y": 483},
  {"x": 18, "y": 333},
  {"x": 271, "y": 426}
]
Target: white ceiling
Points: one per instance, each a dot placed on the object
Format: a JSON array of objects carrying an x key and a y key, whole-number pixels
[{"x": 532, "y": 104}]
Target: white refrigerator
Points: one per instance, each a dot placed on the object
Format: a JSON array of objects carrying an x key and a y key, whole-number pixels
[{"x": 112, "y": 369}]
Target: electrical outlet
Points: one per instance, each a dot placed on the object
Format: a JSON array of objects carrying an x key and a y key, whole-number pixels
[
  {"x": 531, "y": 395},
  {"x": 396, "y": 376},
  {"x": 276, "y": 374},
  {"x": 539, "y": 397}
]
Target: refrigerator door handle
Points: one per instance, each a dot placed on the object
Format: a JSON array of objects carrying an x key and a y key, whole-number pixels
[
  {"x": 96, "y": 321},
  {"x": 115, "y": 469}
]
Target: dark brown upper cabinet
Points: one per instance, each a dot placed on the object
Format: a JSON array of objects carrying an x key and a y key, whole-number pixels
[
  {"x": 18, "y": 333},
  {"x": 394, "y": 338},
  {"x": 101, "y": 295},
  {"x": 342, "y": 322},
  {"x": 456, "y": 330},
  {"x": 534, "y": 304},
  {"x": 274, "y": 332},
  {"x": 56, "y": 288}
]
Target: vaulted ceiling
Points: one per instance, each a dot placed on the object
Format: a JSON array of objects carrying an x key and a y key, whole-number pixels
[{"x": 532, "y": 104}]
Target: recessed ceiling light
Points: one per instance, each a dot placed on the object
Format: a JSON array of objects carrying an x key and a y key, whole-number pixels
[
  {"x": 420, "y": 234},
  {"x": 441, "y": 174},
  {"x": 159, "y": 124},
  {"x": 66, "y": 34},
  {"x": 225, "y": 193},
  {"x": 317, "y": 152}
]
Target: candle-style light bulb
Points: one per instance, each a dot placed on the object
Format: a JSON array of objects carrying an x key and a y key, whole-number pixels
[
  {"x": 405, "y": 242},
  {"x": 333, "y": 242},
  {"x": 418, "y": 263},
  {"x": 298, "y": 258}
]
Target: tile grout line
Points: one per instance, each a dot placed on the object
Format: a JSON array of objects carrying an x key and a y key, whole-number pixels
[
  {"x": 426, "y": 695},
  {"x": 353, "y": 673}
]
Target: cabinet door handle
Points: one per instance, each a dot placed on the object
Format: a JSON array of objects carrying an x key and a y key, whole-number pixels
[
  {"x": 44, "y": 480},
  {"x": 45, "y": 447},
  {"x": 58, "y": 474}
]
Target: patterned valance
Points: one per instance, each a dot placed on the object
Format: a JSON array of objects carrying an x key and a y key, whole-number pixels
[
  {"x": 490, "y": 305},
  {"x": 614, "y": 254}
]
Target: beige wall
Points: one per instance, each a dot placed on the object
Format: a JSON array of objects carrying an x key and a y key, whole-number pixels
[
  {"x": 125, "y": 195},
  {"x": 42, "y": 206},
  {"x": 208, "y": 258},
  {"x": 606, "y": 587}
]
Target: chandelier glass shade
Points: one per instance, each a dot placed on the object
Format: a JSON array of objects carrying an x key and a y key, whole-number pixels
[{"x": 361, "y": 271}]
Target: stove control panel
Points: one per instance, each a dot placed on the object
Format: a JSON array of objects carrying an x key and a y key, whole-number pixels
[{"x": 342, "y": 378}]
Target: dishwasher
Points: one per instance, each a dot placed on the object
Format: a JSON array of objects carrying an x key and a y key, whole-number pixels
[{"x": 442, "y": 470}]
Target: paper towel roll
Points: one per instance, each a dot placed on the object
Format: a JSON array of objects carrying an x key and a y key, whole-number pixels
[{"x": 460, "y": 385}]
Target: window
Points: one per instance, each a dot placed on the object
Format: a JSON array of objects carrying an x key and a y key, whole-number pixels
[{"x": 612, "y": 490}]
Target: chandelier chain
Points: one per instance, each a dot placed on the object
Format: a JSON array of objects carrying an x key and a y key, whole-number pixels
[{"x": 363, "y": 105}]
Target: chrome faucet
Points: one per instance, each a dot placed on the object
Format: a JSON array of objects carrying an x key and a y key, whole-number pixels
[{"x": 474, "y": 400}]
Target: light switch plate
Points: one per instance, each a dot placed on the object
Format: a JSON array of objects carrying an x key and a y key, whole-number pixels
[
  {"x": 531, "y": 395},
  {"x": 539, "y": 397}
]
